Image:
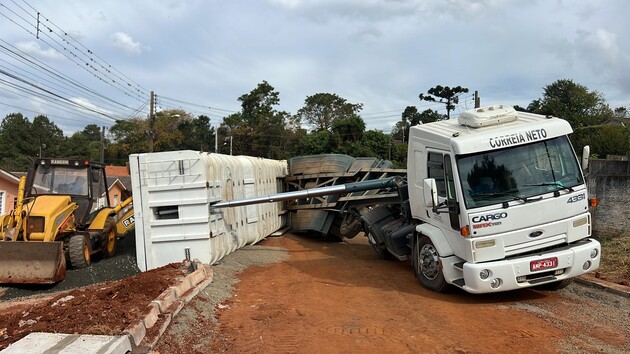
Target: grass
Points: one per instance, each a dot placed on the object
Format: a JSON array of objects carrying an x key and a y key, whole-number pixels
[{"x": 615, "y": 262}]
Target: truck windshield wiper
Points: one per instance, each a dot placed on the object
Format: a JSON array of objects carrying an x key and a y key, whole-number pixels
[
  {"x": 512, "y": 196},
  {"x": 556, "y": 184}
]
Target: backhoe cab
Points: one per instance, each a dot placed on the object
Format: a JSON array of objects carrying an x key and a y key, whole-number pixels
[{"x": 62, "y": 213}]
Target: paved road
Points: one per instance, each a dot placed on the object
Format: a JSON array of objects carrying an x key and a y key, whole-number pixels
[{"x": 338, "y": 297}]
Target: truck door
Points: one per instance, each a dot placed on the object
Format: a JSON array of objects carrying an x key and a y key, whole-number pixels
[{"x": 440, "y": 167}]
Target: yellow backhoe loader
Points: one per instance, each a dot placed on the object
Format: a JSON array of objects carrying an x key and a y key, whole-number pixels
[{"x": 62, "y": 215}]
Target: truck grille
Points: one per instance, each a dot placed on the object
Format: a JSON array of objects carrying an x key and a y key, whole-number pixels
[{"x": 535, "y": 245}]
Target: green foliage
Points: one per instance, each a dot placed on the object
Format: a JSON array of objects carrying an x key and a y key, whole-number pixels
[
  {"x": 17, "y": 143},
  {"x": 603, "y": 139},
  {"x": 572, "y": 102},
  {"x": 321, "y": 110},
  {"x": 259, "y": 129},
  {"x": 444, "y": 94},
  {"x": 411, "y": 117}
]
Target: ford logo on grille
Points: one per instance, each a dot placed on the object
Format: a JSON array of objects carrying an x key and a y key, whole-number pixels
[{"x": 535, "y": 234}]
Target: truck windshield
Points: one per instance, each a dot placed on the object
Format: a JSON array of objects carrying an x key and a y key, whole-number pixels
[
  {"x": 518, "y": 173},
  {"x": 60, "y": 180}
]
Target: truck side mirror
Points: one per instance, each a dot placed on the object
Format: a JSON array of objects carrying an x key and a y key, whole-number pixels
[
  {"x": 586, "y": 152},
  {"x": 430, "y": 193}
]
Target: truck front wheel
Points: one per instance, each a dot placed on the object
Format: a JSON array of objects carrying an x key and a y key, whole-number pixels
[{"x": 427, "y": 265}]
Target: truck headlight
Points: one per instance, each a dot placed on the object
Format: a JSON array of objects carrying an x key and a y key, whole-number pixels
[
  {"x": 586, "y": 265},
  {"x": 484, "y": 274},
  {"x": 594, "y": 252}
]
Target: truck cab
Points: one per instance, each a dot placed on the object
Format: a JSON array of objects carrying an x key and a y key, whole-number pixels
[{"x": 501, "y": 203}]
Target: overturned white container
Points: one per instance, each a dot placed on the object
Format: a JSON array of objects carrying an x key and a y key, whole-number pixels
[{"x": 173, "y": 192}]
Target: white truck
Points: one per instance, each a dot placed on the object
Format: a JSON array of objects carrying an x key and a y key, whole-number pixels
[
  {"x": 493, "y": 201},
  {"x": 500, "y": 203}
]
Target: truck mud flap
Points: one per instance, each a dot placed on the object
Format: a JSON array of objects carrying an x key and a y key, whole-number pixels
[{"x": 23, "y": 262}]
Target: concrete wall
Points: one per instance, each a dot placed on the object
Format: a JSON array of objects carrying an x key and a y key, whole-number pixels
[{"x": 609, "y": 181}]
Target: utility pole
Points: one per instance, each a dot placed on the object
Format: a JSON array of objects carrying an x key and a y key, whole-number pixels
[
  {"x": 102, "y": 146},
  {"x": 216, "y": 141},
  {"x": 477, "y": 100},
  {"x": 230, "y": 145},
  {"x": 151, "y": 121}
]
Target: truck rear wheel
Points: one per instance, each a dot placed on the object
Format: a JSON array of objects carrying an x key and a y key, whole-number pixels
[
  {"x": 110, "y": 240},
  {"x": 79, "y": 251},
  {"x": 427, "y": 265}
]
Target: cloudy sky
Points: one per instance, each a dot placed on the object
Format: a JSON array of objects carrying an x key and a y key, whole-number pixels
[{"x": 201, "y": 55}]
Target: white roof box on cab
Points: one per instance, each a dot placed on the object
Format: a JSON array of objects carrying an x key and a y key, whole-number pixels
[{"x": 486, "y": 116}]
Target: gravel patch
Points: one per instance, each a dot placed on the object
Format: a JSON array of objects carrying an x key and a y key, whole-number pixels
[
  {"x": 585, "y": 307},
  {"x": 120, "y": 266},
  {"x": 200, "y": 312}
]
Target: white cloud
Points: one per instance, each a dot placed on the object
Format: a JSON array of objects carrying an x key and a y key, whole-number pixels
[
  {"x": 33, "y": 48},
  {"x": 124, "y": 42}
]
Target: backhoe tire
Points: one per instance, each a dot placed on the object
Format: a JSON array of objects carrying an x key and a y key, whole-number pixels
[
  {"x": 79, "y": 252},
  {"x": 427, "y": 265},
  {"x": 109, "y": 238}
]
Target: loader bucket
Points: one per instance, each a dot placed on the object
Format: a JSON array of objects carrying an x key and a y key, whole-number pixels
[{"x": 23, "y": 262}]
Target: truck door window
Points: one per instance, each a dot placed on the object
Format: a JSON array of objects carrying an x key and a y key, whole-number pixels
[
  {"x": 435, "y": 168},
  {"x": 439, "y": 167}
]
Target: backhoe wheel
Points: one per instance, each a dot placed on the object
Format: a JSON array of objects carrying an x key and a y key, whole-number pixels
[
  {"x": 79, "y": 251},
  {"x": 427, "y": 265},
  {"x": 110, "y": 241}
]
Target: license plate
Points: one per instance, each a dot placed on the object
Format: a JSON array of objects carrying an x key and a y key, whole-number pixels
[{"x": 542, "y": 264}]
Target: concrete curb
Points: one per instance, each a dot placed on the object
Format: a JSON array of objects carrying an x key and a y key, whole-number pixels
[
  {"x": 146, "y": 331},
  {"x": 593, "y": 282}
]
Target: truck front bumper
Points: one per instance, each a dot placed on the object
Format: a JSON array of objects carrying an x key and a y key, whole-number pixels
[{"x": 535, "y": 269}]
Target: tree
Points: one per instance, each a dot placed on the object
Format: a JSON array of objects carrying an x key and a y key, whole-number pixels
[
  {"x": 349, "y": 129},
  {"x": 47, "y": 136},
  {"x": 448, "y": 96},
  {"x": 258, "y": 129},
  {"x": 198, "y": 133},
  {"x": 17, "y": 143},
  {"x": 128, "y": 137},
  {"x": 572, "y": 102},
  {"x": 321, "y": 110},
  {"x": 84, "y": 145}
]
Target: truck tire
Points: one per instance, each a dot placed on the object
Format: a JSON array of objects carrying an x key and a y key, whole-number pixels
[
  {"x": 344, "y": 226},
  {"x": 79, "y": 251},
  {"x": 557, "y": 285},
  {"x": 109, "y": 238},
  {"x": 427, "y": 265}
]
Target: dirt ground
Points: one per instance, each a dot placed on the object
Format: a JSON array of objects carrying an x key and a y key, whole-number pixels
[
  {"x": 105, "y": 308},
  {"x": 300, "y": 294},
  {"x": 317, "y": 297}
]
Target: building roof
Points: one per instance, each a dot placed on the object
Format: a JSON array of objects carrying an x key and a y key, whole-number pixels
[
  {"x": 117, "y": 171},
  {"x": 125, "y": 181},
  {"x": 9, "y": 176}
]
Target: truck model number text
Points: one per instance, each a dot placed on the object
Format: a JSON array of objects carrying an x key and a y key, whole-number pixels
[{"x": 576, "y": 198}]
